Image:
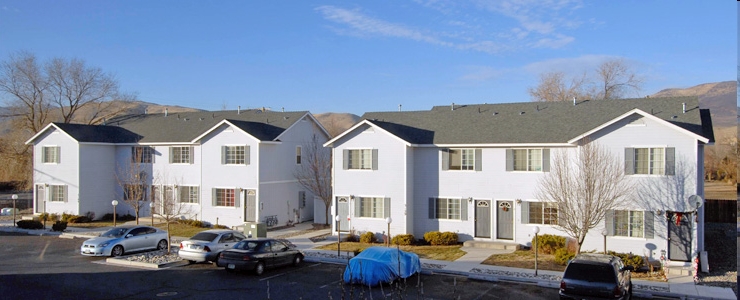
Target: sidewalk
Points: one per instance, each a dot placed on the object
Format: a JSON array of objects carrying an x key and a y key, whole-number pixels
[{"x": 469, "y": 265}]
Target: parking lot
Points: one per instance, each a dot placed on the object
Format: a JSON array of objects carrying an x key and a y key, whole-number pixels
[{"x": 35, "y": 267}]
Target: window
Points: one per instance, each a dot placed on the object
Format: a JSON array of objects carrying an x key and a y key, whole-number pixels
[
  {"x": 235, "y": 155},
  {"x": 545, "y": 213},
  {"x": 650, "y": 161},
  {"x": 628, "y": 223},
  {"x": 134, "y": 192},
  {"x": 448, "y": 208},
  {"x": 224, "y": 197},
  {"x": 360, "y": 159},
  {"x": 528, "y": 160},
  {"x": 181, "y": 155},
  {"x": 461, "y": 159},
  {"x": 141, "y": 155},
  {"x": 298, "y": 155},
  {"x": 50, "y": 154},
  {"x": 189, "y": 194},
  {"x": 58, "y": 193},
  {"x": 370, "y": 207}
]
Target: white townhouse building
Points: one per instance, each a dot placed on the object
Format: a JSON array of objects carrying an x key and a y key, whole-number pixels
[
  {"x": 474, "y": 170},
  {"x": 228, "y": 167}
]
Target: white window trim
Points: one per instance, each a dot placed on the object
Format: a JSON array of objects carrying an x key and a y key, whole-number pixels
[
  {"x": 625, "y": 236},
  {"x": 370, "y": 169},
  {"x": 191, "y": 155},
  {"x": 456, "y": 198},
  {"x": 236, "y": 198},
  {"x": 357, "y": 201},
  {"x": 226, "y": 160},
  {"x": 527, "y": 171},
  {"x": 188, "y": 186}
]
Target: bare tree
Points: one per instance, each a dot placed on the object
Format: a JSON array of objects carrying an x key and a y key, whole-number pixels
[
  {"x": 314, "y": 172},
  {"x": 26, "y": 87},
  {"x": 584, "y": 184},
  {"x": 616, "y": 79},
  {"x": 170, "y": 201},
  {"x": 552, "y": 87},
  {"x": 134, "y": 179}
]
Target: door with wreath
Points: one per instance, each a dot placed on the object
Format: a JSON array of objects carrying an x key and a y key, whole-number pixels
[{"x": 504, "y": 220}]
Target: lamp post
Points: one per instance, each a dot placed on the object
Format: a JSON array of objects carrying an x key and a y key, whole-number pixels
[
  {"x": 14, "y": 197},
  {"x": 339, "y": 235},
  {"x": 114, "y": 202},
  {"x": 389, "y": 220},
  {"x": 44, "y": 215},
  {"x": 536, "y": 231},
  {"x": 151, "y": 210},
  {"x": 604, "y": 233}
]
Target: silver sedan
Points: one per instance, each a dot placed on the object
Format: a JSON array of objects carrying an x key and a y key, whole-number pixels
[
  {"x": 207, "y": 245},
  {"x": 123, "y": 239}
]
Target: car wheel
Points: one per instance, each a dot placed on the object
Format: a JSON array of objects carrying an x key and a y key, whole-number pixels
[
  {"x": 297, "y": 260},
  {"x": 190, "y": 262},
  {"x": 229, "y": 270},
  {"x": 162, "y": 245},
  {"x": 259, "y": 269},
  {"x": 629, "y": 294},
  {"x": 117, "y": 251}
]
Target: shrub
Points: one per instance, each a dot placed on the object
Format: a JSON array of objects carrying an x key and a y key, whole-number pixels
[
  {"x": 90, "y": 215},
  {"x": 563, "y": 256},
  {"x": 109, "y": 217},
  {"x": 191, "y": 222},
  {"x": 78, "y": 219},
  {"x": 127, "y": 217},
  {"x": 48, "y": 217},
  {"x": 218, "y": 226},
  {"x": 403, "y": 239},
  {"x": 30, "y": 224},
  {"x": 351, "y": 237},
  {"x": 59, "y": 226},
  {"x": 628, "y": 259},
  {"x": 436, "y": 238},
  {"x": 367, "y": 238},
  {"x": 548, "y": 243},
  {"x": 66, "y": 216}
]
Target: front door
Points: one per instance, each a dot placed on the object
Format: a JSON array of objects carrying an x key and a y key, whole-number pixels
[
  {"x": 250, "y": 206},
  {"x": 40, "y": 196},
  {"x": 505, "y": 220},
  {"x": 679, "y": 236},
  {"x": 482, "y": 218},
  {"x": 343, "y": 213}
]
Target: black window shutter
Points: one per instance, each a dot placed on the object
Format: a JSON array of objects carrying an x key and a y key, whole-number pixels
[
  {"x": 478, "y": 159},
  {"x": 345, "y": 159},
  {"x": 670, "y": 161},
  {"x": 525, "y": 212},
  {"x": 223, "y": 155},
  {"x": 432, "y": 207},
  {"x": 445, "y": 159},
  {"x": 463, "y": 209},
  {"x": 545, "y": 160},
  {"x": 629, "y": 161},
  {"x": 387, "y": 207},
  {"x": 247, "y": 155},
  {"x": 509, "y": 160},
  {"x": 609, "y": 222},
  {"x": 375, "y": 159},
  {"x": 649, "y": 225}
]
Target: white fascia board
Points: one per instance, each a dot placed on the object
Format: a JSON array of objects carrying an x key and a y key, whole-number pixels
[
  {"x": 198, "y": 138},
  {"x": 329, "y": 143},
  {"x": 309, "y": 116},
  {"x": 35, "y": 136},
  {"x": 158, "y": 144},
  {"x": 532, "y": 145},
  {"x": 644, "y": 114}
]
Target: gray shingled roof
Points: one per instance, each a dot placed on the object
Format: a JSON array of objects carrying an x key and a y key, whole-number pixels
[
  {"x": 531, "y": 122},
  {"x": 182, "y": 127}
]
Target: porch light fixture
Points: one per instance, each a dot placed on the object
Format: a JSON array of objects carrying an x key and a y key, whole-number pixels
[
  {"x": 470, "y": 199},
  {"x": 518, "y": 201},
  {"x": 659, "y": 212}
]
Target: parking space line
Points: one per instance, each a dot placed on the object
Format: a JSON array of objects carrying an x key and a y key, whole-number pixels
[
  {"x": 331, "y": 283},
  {"x": 273, "y": 276}
]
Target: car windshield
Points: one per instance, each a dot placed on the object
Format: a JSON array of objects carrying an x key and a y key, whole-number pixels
[
  {"x": 204, "y": 236},
  {"x": 247, "y": 245},
  {"x": 114, "y": 233},
  {"x": 590, "y": 272}
]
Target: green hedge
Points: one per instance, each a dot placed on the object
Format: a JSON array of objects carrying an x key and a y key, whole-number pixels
[
  {"x": 563, "y": 256},
  {"x": 403, "y": 239},
  {"x": 436, "y": 238},
  {"x": 628, "y": 259},
  {"x": 59, "y": 226},
  {"x": 29, "y": 224},
  {"x": 367, "y": 238},
  {"x": 549, "y": 243}
]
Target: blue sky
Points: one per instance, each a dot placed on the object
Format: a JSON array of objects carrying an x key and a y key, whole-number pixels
[{"x": 358, "y": 56}]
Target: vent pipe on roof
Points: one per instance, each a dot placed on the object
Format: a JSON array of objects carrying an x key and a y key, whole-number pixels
[
  {"x": 103, "y": 121},
  {"x": 282, "y": 109},
  {"x": 453, "y": 106},
  {"x": 399, "y": 107},
  {"x": 574, "y": 101},
  {"x": 165, "y": 112},
  {"x": 684, "y": 107},
  {"x": 145, "y": 110},
  {"x": 239, "y": 110}
]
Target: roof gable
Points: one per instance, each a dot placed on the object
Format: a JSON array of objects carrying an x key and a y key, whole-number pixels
[{"x": 91, "y": 133}]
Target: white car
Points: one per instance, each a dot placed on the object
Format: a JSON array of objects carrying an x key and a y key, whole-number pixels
[
  {"x": 207, "y": 245},
  {"x": 8, "y": 211},
  {"x": 123, "y": 239}
]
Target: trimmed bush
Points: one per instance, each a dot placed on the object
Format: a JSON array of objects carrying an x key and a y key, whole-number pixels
[
  {"x": 220, "y": 226},
  {"x": 403, "y": 239},
  {"x": 194, "y": 223},
  {"x": 30, "y": 224},
  {"x": 367, "y": 238},
  {"x": 436, "y": 238},
  {"x": 109, "y": 217},
  {"x": 548, "y": 243},
  {"x": 59, "y": 226},
  {"x": 628, "y": 259},
  {"x": 78, "y": 219},
  {"x": 563, "y": 256}
]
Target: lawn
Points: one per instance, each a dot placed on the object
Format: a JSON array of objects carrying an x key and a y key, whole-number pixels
[
  {"x": 448, "y": 253},
  {"x": 176, "y": 229}
]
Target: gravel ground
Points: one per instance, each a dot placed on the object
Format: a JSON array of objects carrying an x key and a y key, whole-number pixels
[{"x": 721, "y": 245}]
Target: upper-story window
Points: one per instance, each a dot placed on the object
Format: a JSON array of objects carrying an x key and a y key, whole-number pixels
[
  {"x": 181, "y": 155},
  {"x": 235, "y": 155},
  {"x": 528, "y": 160},
  {"x": 50, "y": 154},
  {"x": 360, "y": 159},
  {"x": 298, "y": 155},
  {"x": 142, "y": 154},
  {"x": 461, "y": 159},
  {"x": 650, "y": 161}
]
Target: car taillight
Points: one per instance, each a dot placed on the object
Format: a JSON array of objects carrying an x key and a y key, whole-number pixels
[
  {"x": 181, "y": 246},
  {"x": 207, "y": 249},
  {"x": 221, "y": 255},
  {"x": 246, "y": 257},
  {"x": 562, "y": 285}
]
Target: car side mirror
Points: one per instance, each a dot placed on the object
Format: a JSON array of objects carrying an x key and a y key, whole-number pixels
[
  {"x": 285, "y": 249},
  {"x": 129, "y": 235},
  {"x": 628, "y": 268}
]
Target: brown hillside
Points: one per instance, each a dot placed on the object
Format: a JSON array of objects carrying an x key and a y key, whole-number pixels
[
  {"x": 336, "y": 123},
  {"x": 719, "y": 97}
]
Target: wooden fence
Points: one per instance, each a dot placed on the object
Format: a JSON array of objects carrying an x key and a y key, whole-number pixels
[{"x": 720, "y": 211}]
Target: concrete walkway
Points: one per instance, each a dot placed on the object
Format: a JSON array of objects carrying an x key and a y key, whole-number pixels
[{"x": 306, "y": 239}]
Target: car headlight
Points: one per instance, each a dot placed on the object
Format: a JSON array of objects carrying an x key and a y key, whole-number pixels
[{"x": 103, "y": 245}]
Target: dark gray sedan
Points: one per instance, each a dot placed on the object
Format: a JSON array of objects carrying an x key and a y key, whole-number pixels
[{"x": 259, "y": 254}]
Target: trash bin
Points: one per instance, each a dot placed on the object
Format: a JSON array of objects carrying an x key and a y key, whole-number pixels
[{"x": 255, "y": 230}]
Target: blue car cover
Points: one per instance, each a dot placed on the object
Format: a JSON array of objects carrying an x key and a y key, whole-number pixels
[{"x": 376, "y": 265}]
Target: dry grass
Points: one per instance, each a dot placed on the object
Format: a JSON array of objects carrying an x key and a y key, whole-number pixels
[
  {"x": 448, "y": 253},
  {"x": 177, "y": 229},
  {"x": 720, "y": 190}
]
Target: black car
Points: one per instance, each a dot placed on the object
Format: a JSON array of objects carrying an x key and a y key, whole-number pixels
[
  {"x": 259, "y": 254},
  {"x": 596, "y": 276}
]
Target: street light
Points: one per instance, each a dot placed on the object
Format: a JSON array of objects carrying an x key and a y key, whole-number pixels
[
  {"x": 536, "y": 231},
  {"x": 14, "y": 197},
  {"x": 389, "y": 220},
  {"x": 339, "y": 235},
  {"x": 114, "y": 202},
  {"x": 604, "y": 233},
  {"x": 151, "y": 210}
]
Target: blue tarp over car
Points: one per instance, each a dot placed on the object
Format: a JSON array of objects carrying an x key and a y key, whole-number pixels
[{"x": 376, "y": 265}]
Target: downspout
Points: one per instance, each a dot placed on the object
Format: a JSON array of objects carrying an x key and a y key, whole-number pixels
[{"x": 201, "y": 181}]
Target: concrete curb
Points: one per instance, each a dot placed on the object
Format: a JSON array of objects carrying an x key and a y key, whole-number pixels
[{"x": 127, "y": 263}]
